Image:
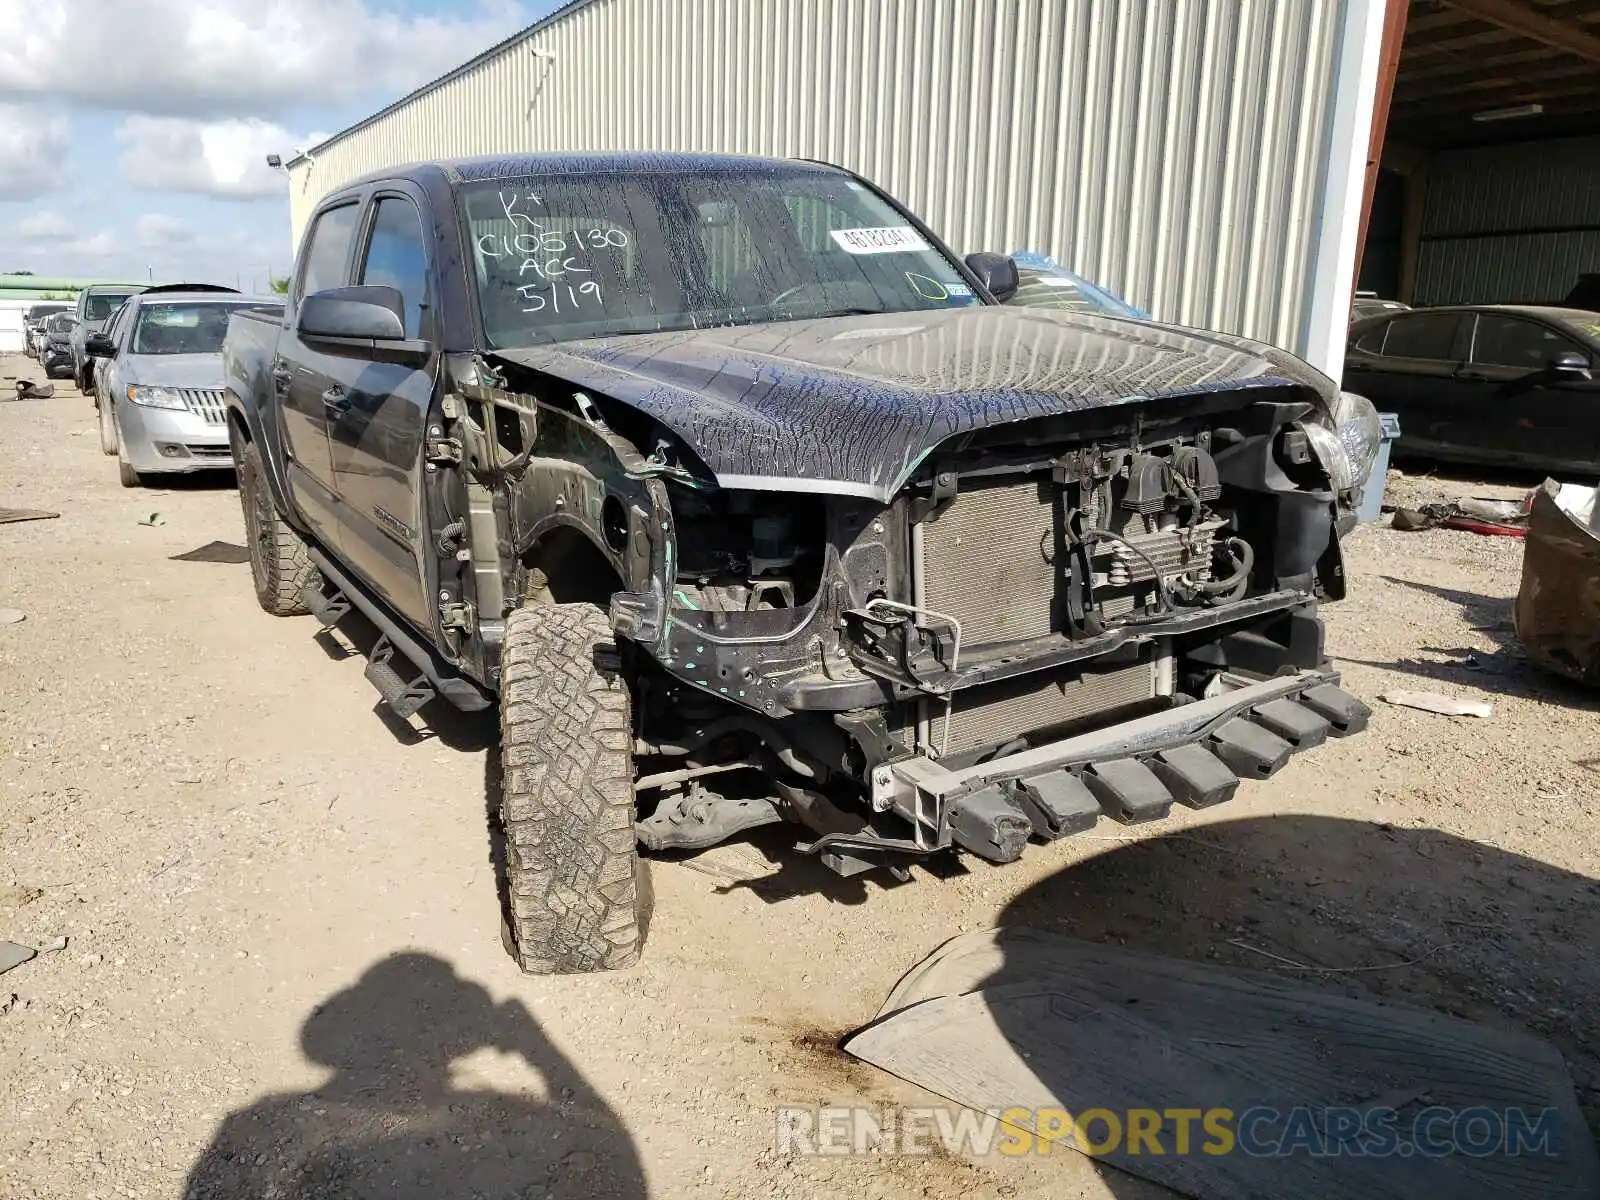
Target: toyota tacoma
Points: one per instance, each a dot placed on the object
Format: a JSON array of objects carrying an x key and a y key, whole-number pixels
[{"x": 747, "y": 501}]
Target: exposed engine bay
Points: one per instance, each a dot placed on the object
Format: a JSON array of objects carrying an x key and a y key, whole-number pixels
[
  {"x": 1006, "y": 600},
  {"x": 1047, "y": 622}
]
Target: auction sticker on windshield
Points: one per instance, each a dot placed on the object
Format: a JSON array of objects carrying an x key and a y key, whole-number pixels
[{"x": 892, "y": 239}]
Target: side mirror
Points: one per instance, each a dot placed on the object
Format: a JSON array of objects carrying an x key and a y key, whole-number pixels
[
  {"x": 369, "y": 313},
  {"x": 98, "y": 345},
  {"x": 1569, "y": 365},
  {"x": 362, "y": 322},
  {"x": 997, "y": 273}
]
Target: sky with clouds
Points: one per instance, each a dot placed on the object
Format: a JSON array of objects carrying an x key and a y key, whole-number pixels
[{"x": 134, "y": 133}]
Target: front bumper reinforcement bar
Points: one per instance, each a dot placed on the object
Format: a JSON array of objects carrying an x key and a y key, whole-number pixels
[{"x": 1193, "y": 754}]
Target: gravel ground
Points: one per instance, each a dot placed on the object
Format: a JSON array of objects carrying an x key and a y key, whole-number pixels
[{"x": 282, "y": 946}]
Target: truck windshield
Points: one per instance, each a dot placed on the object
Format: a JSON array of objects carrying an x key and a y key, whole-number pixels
[
  {"x": 183, "y": 328},
  {"x": 577, "y": 256},
  {"x": 102, "y": 304}
]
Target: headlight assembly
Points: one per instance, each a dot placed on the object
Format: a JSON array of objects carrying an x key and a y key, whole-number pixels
[
  {"x": 1346, "y": 441},
  {"x": 157, "y": 397}
]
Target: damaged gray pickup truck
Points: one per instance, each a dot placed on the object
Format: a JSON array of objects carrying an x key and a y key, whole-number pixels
[{"x": 748, "y": 502}]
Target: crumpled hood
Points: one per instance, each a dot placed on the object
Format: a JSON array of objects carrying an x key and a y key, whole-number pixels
[
  {"x": 203, "y": 371},
  {"x": 852, "y": 405}
]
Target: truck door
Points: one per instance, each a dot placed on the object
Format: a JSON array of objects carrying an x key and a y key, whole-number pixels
[
  {"x": 302, "y": 375},
  {"x": 376, "y": 425}
]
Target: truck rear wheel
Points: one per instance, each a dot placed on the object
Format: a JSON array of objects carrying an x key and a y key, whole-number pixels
[
  {"x": 279, "y": 564},
  {"x": 567, "y": 805}
]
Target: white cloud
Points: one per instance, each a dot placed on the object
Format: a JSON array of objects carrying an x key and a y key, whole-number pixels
[
  {"x": 32, "y": 144},
  {"x": 155, "y": 231},
  {"x": 214, "y": 158},
  {"x": 154, "y": 245},
  {"x": 228, "y": 57},
  {"x": 47, "y": 243},
  {"x": 43, "y": 227}
]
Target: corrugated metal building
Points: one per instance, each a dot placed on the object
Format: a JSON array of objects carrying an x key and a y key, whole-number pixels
[
  {"x": 1510, "y": 224},
  {"x": 1203, "y": 158}
]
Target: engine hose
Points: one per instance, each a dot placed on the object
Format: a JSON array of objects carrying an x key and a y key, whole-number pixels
[{"x": 1233, "y": 587}]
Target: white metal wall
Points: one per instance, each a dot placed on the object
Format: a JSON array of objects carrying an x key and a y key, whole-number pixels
[{"x": 1176, "y": 151}]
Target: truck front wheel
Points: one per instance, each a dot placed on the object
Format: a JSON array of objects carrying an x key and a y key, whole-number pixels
[
  {"x": 110, "y": 443},
  {"x": 279, "y": 564},
  {"x": 567, "y": 805}
]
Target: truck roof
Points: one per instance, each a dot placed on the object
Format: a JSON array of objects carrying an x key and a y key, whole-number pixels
[{"x": 514, "y": 166}]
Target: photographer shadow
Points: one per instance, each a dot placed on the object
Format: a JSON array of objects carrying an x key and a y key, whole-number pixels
[{"x": 392, "y": 1122}]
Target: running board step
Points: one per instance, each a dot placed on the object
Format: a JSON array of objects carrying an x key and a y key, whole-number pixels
[
  {"x": 403, "y": 698},
  {"x": 329, "y": 610}
]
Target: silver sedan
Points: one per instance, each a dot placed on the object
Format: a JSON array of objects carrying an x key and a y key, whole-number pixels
[{"x": 159, "y": 387}]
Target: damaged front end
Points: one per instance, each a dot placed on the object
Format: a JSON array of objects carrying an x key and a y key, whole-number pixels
[
  {"x": 1137, "y": 591},
  {"x": 1093, "y": 614}
]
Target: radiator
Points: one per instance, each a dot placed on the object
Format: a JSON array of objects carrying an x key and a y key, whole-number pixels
[
  {"x": 999, "y": 712},
  {"x": 986, "y": 560}
]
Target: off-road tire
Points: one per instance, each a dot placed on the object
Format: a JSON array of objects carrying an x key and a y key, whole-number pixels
[
  {"x": 110, "y": 439},
  {"x": 279, "y": 563},
  {"x": 576, "y": 894}
]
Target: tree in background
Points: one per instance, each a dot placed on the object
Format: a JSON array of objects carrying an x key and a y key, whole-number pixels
[{"x": 281, "y": 286}]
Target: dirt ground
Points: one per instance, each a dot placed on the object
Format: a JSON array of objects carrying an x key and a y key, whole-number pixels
[{"x": 282, "y": 936}]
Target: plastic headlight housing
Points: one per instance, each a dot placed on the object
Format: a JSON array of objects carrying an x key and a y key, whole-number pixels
[
  {"x": 1346, "y": 442},
  {"x": 157, "y": 397}
]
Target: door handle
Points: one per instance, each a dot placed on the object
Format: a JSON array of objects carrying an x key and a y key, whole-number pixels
[
  {"x": 336, "y": 400},
  {"x": 281, "y": 378}
]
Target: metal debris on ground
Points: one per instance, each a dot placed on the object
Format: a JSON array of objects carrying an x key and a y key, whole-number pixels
[
  {"x": 154, "y": 518},
  {"x": 1501, "y": 518},
  {"x": 11, "y": 515},
  {"x": 27, "y": 389},
  {"x": 13, "y": 955},
  {"x": 1557, "y": 613},
  {"x": 1035, "y": 1029},
  {"x": 1435, "y": 702}
]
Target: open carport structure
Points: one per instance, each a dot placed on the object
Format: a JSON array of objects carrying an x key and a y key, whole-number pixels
[{"x": 1489, "y": 190}]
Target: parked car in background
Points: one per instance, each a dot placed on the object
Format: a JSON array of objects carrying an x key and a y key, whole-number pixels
[
  {"x": 55, "y": 350},
  {"x": 95, "y": 305},
  {"x": 1042, "y": 282},
  {"x": 1585, "y": 293},
  {"x": 33, "y": 324},
  {"x": 1368, "y": 304},
  {"x": 1504, "y": 384},
  {"x": 161, "y": 378}
]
